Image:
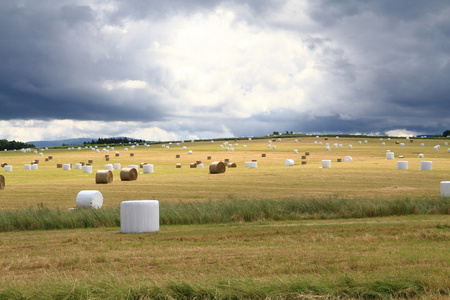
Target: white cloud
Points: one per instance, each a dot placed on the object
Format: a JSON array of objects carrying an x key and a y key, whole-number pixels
[{"x": 403, "y": 133}]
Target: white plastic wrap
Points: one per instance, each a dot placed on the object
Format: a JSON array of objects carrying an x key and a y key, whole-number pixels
[
  {"x": 445, "y": 188},
  {"x": 66, "y": 167},
  {"x": 348, "y": 158},
  {"x": 139, "y": 216},
  {"x": 148, "y": 168},
  {"x": 402, "y": 165},
  {"x": 390, "y": 155},
  {"x": 326, "y": 163},
  {"x": 289, "y": 162},
  {"x": 87, "y": 169},
  {"x": 89, "y": 199},
  {"x": 426, "y": 165}
]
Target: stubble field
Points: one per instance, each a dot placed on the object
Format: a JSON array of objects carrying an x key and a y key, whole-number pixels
[{"x": 377, "y": 257}]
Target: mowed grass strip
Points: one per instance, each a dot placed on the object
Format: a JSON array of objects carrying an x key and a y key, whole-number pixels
[
  {"x": 231, "y": 210},
  {"x": 390, "y": 257}
]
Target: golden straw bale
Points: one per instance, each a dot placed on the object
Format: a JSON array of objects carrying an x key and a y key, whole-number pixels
[
  {"x": 2, "y": 182},
  {"x": 104, "y": 176},
  {"x": 128, "y": 174},
  {"x": 217, "y": 167}
]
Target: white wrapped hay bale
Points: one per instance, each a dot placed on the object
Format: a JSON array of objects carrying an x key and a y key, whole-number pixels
[
  {"x": 274, "y": 147},
  {"x": 251, "y": 164},
  {"x": 295, "y": 150},
  {"x": 383, "y": 144},
  {"x": 67, "y": 167},
  {"x": 87, "y": 169},
  {"x": 148, "y": 168},
  {"x": 326, "y": 163},
  {"x": 390, "y": 155},
  {"x": 422, "y": 145},
  {"x": 90, "y": 199},
  {"x": 402, "y": 144},
  {"x": 139, "y": 216},
  {"x": 348, "y": 158},
  {"x": 402, "y": 165},
  {"x": 27, "y": 167},
  {"x": 190, "y": 152},
  {"x": 109, "y": 167},
  {"x": 421, "y": 155},
  {"x": 201, "y": 166},
  {"x": 117, "y": 166},
  {"x": 289, "y": 162},
  {"x": 350, "y": 146},
  {"x": 445, "y": 188},
  {"x": 78, "y": 166},
  {"x": 41, "y": 154},
  {"x": 34, "y": 166},
  {"x": 135, "y": 167},
  {"x": 426, "y": 165}
]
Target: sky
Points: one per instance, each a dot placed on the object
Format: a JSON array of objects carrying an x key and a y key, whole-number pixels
[{"x": 180, "y": 69}]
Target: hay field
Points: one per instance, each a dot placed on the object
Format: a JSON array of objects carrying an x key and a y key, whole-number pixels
[
  {"x": 369, "y": 176},
  {"x": 372, "y": 258}
]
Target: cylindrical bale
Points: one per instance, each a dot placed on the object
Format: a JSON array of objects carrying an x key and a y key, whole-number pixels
[
  {"x": 141, "y": 165},
  {"x": 117, "y": 154},
  {"x": 274, "y": 147},
  {"x": 193, "y": 165},
  {"x": 217, "y": 167},
  {"x": 139, "y": 216},
  {"x": 326, "y": 163},
  {"x": 227, "y": 160},
  {"x": 208, "y": 158},
  {"x": 117, "y": 166},
  {"x": 445, "y": 188},
  {"x": 339, "y": 160},
  {"x": 177, "y": 156},
  {"x": 106, "y": 155},
  {"x": 421, "y": 155},
  {"x": 304, "y": 162},
  {"x": 46, "y": 159},
  {"x": 402, "y": 165},
  {"x": 78, "y": 166},
  {"x": 67, "y": 167},
  {"x": 90, "y": 161},
  {"x": 263, "y": 155},
  {"x": 390, "y": 155},
  {"x": 104, "y": 176},
  {"x": 289, "y": 162},
  {"x": 59, "y": 166},
  {"x": 251, "y": 164},
  {"x": 198, "y": 162},
  {"x": 89, "y": 199},
  {"x": 350, "y": 146},
  {"x": 307, "y": 153},
  {"x": 27, "y": 167},
  {"x": 426, "y": 165},
  {"x": 2, "y": 182},
  {"x": 109, "y": 167},
  {"x": 231, "y": 165},
  {"x": 178, "y": 166},
  {"x": 134, "y": 166},
  {"x": 131, "y": 154},
  {"x": 190, "y": 152},
  {"x": 34, "y": 166},
  {"x": 128, "y": 174},
  {"x": 201, "y": 166},
  {"x": 295, "y": 151},
  {"x": 348, "y": 158},
  {"x": 87, "y": 169},
  {"x": 303, "y": 156}
]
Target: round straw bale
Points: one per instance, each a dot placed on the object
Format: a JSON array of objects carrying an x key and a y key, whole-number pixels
[
  {"x": 339, "y": 160},
  {"x": 104, "y": 176},
  {"x": 231, "y": 165},
  {"x": 90, "y": 161},
  {"x": 208, "y": 158},
  {"x": 59, "y": 165},
  {"x": 227, "y": 160},
  {"x": 2, "y": 182},
  {"x": 128, "y": 174},
  {"x": 177, "y": 156},
  {"x": 217, "y": 167},
  {"x": 304, "y": 162},
  {"x": 198, "y": 162},
  {"x": 50, "y": 157},
  {"x": 141, "y": 165},
  {"x": 303, "y": 156},
  {"x": 178, "y": 166},
  {"x": 131, "y": 154},
  {"x": 106, "y": 158},
  {"x": 193, "y": 165},
  {"x": 263, "y": 155}
]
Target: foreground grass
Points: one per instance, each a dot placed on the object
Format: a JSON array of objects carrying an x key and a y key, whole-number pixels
[
  {"x": 377, "y": 258},
  {"x": 232, "y": 210}
]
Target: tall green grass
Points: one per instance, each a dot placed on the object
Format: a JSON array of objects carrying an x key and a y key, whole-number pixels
[
  {"x": 233, "y": 210},
  {"x": 343, "y": 287}
]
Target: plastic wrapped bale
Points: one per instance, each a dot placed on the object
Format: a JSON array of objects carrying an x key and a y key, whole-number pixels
[
  {"x": 251, "y": 164},
  {"x": 34, "y": 167},
  {"x": 128, "y": 174},
  {"x": 135, "y": 167},
  {"x": 148, "y": 168},
  {"x": 67, "y": 167},
  {"x": 426, "y": 165},
  {"x": 104, "y": 176},
  {"x": 117, "y": 166},
  {"x": 78, "y": 166},
  {"x": 289, "y": 162},
  {"x": 348, "y": 159},
  {"x": 109, "y": 167},
  {"x": 201, "y": 166},
  {"x": 87, "y": 169},
  {"x": 2, "y": 182},
  {"x": 139, "y": 216},
  {"x": 390, "y": 155},
  {"x": 295, "y": 151},
  {"x": 326, "y": 163},
  {"x": 445, "y": 188},
  {"x": 217, "y": 167},
  {"x": 402, "y": 165},
  {"x": 421, "y": 155},
  {"x": 190, "y": 152},
  {"x": 90, "y": 199},
  {"x": 27, "y": 167}
]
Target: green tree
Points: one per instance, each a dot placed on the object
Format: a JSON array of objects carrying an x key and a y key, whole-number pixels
[{"x": 446, "y": 133}]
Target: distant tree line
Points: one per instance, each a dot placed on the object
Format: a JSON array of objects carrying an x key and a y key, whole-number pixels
[
  {"x": 112, "y": 141},
  {"x": 446, "y": 133},
  {"x": 11, "y": 145}
]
